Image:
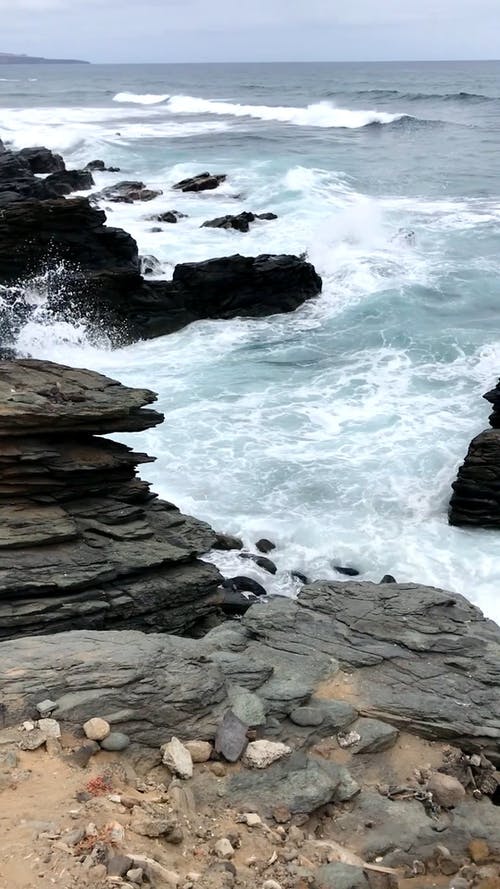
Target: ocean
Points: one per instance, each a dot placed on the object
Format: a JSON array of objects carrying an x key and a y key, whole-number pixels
[{"x": 335, "y": 431}]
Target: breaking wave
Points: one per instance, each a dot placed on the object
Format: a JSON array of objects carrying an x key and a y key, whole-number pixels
[
  {"x": 319, "y": 114},
  {"x": 141, "y": 99}
]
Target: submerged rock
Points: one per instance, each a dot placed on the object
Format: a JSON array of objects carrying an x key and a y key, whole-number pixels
[
  {"x": 170, "y": 216},
  {"x": 240, "y": 223}
]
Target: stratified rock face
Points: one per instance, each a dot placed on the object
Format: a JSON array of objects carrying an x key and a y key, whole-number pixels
[
  {"x": 83, "y": 543},
  {"x": 476, "y": 492}
]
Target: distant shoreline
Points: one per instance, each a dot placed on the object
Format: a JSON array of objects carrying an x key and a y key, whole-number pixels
[{"x": 12, "y": 59}]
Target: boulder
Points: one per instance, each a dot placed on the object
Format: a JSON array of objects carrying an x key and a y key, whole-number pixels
[
  {"x": 42, "y": 160},
  {"x": 65, "y": 181},
  {"x": 202, "y": 182},
  {"x": 171, "y": 216},
  {"x": 126, "y": 192},
  {"x": 240, "y": 223},
  {"x": 476, "y": 492},
  {"x": 261, "y": 754},
  {"x": 100, "y": 166},
  {"x": 83, "y": 543}
]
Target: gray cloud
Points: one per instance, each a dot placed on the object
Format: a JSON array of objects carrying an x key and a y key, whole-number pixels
[{"x": 196, "y": 30}]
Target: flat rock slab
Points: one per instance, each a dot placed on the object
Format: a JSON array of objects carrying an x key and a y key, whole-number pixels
[
  {"x": 426, "y": 660},
  {"x": 39, "y": 397},
  {"x": 150, "y": 686}
]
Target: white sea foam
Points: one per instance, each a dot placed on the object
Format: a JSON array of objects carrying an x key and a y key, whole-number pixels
[
  {"x": 319, "y": 114},
  {"x": 138, "y": 99},
  {"x": 338, "y": 444}
]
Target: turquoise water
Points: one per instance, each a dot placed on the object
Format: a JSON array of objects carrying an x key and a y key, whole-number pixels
[{"x": 337, "y": 430}]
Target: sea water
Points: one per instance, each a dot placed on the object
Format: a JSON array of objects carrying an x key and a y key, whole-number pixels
[{"x": 337, "y": 430}]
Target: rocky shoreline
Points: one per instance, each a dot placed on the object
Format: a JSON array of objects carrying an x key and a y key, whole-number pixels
[
  {"x": 354, "y": 730},
  {"x": 171, "y": 727},
  {"x": 99, "y": 276}
]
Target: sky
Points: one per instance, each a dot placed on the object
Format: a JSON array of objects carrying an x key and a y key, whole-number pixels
[{"x": 256, "y": 30}]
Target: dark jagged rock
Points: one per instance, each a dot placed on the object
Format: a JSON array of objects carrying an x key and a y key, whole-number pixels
[
  {"x": 126, "y": 192},
  {"x": 42, "y": 160},
  {"x": 66, "y": 181},
  {"x": 171, "y": 216},
  {"x": 240, "y": 223},
  {"x": 476, "y": 492},
  {"x": 83, "y": 542},
  {"x": 244, "y": 584},
  {"x": 349, "y": 572},
  {"x": 388, "y": 578},
  {"x": 100, "y": 166},
  {"x": 202, "y": 182},
  {"x": 265, "y": 546},
  {"x": 261, "y": 561}
]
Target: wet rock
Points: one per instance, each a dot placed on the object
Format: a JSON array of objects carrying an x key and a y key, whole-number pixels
[
  {"x": 244, "y": 584},
  {"x": 100, "y": 166},
  {"x": 177, "y": 758},
  {"x": 231, "y": 739},
  {"x": 42, "y": 160},
  {"x": 66, "y": 181},
  {"x": 227, "y": 542},
  {"x": 126, "y": 192},
  {"x": 232, "y": 602},
  {"x": 201, "y": 182},
  {"x": 170, "y": 216},
  {"x": 240, "y": 223},
  {"x": 116, "y": 741},
  {"x": 265, "y": 546},
  {"x": 375, "y": 736},
  {"x": 150, "y": 265},
  {"x": 261, "y": 754},
  {"x": 446, "y": 790},
  {"x": 388, "y": 578},
  {"x": 297, "y": 575},
  {"x": 96, "y": 729},
  {"x": 200, "y": 751},
  {"x": 261, "y": 561},
  {"x": 349, "y": 572}
]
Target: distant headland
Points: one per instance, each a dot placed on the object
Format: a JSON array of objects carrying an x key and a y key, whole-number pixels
[{"x": 9, "y": 58}]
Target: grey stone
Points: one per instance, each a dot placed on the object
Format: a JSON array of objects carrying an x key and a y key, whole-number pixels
[
  {"x": 307, "y": 716},
  {"x": 418, "y": 653},
  {"x": 33, "y": 740},
  {"x": 375, "y": 736},
  {"x": 248, "y": 707},
  {"x": 115, "y": 741},
  {"x": 45, "y": 708},
  {"x": 8, "y": 759},
  {"x": 300, "y": 783},
  {"x": 339, "y": 876},
  {"x": 119, "y": 865},
  {"x": 231, "y": 739}
]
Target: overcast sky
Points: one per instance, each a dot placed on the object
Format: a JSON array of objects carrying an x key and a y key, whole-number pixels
[{"x": 251, "y": 30}]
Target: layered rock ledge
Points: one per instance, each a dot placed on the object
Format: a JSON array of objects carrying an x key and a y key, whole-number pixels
[
  {"x": 83, "y": 541},
  {"x": 476, "y": 491}
]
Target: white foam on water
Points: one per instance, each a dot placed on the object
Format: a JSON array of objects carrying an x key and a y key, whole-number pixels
[
  {"x": 318, "y": 114},
  {"x": 294, "y": 427},
  {"x": 138, "y": 99}
]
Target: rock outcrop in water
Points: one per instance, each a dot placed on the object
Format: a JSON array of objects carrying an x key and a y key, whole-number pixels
[
  {"x": 19, "y": 182},
  {"x": 101, "y": 280},
  {"x": 83, "y": 542},
  {"x": 476, "y": 492},
  {"x": 240, "y": 223}
]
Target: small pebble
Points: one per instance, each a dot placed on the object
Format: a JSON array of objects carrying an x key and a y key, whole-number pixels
[{"x": 223, "y": 848}]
